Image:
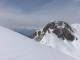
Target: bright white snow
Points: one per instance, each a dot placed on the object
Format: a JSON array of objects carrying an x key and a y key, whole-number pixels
[
  {"x": 69, "y": 48},
  {"x": 14, "y": 46}
]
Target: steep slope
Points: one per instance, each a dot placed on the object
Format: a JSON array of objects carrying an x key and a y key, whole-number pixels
[
  {"x": 14, "y": 46},
  {"x": 71, "y": 48}
]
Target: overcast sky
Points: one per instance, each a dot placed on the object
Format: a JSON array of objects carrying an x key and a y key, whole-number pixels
[{"x": 17, "y": 13}]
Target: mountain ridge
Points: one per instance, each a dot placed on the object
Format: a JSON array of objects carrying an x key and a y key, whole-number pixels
[{"x": 60, "y": 28}]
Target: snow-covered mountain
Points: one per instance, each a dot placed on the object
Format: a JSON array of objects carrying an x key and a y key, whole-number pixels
[
  {"x": 14, "y": 46},
  {"x": 60, "y": 28},
  {"x": 62, "y": 36}
]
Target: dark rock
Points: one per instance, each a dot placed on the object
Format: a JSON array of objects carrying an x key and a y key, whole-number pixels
[
  {"x": 39, "y": 33},
  {"x": 34, "y": 34},
  {"x": 60, "y": 28},
  {"x": 49, "y": 25},
  {"x": 67, "y": 34}
]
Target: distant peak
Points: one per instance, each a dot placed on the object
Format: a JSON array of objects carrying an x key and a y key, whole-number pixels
[{"x": 60, "y": 28}]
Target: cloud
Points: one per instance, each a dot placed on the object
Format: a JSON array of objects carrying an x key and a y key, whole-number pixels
[
  {"x": 26, "y": 5},
  {"x": 12, "y": 16}
]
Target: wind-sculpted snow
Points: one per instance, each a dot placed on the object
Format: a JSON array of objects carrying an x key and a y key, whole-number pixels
[
  {"x": 71, "y": 48},
  {"x": 14, "y": 46}
]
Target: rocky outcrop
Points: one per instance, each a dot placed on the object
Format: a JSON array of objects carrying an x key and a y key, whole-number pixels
[
  {"x": 60, "y": 28},
  {"x": 38, "y": 35}
]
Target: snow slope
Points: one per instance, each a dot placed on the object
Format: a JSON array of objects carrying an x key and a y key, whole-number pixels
[
  {"x": 14, "y": 46},
  {"x": 69, "y": 48}
]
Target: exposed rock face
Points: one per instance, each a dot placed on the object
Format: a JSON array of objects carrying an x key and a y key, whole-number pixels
[
  {"x": 59, "y": 28},
  {"x": 38, "y": 35},
  {"x": 68, "y": 35}
]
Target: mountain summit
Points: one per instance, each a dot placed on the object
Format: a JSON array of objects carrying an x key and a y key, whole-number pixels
[
  {"x": 62, "y": 36},
  {"x": 60, "y": 28}
]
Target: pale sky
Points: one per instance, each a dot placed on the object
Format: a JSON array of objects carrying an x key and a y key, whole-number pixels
[{"x": 17, "y": 13}]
